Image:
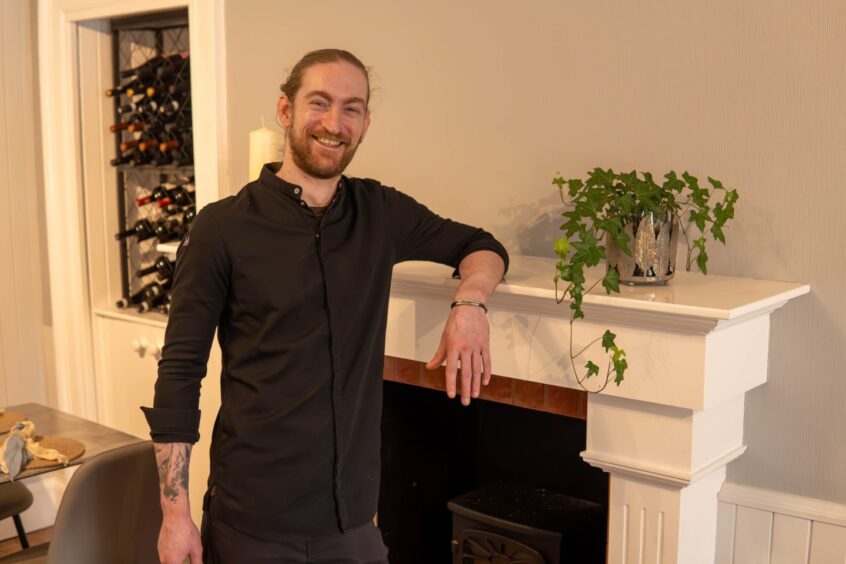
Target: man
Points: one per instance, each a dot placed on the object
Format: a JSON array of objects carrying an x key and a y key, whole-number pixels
[{"x": 294, "y": 273}]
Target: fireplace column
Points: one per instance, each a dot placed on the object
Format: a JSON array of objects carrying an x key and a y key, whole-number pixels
[
  {"x": 666, "y": 466},
  {"x": 666, "y": 437}
]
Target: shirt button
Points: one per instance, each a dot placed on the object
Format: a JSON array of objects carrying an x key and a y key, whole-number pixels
[
  {"x": 302, "y": 203},
  {"x": 296, "y": 190}
]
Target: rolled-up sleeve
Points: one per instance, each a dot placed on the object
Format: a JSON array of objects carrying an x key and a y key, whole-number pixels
[
  {"x": 421, "y": 234},
  {"x": 199, "y": 293}
]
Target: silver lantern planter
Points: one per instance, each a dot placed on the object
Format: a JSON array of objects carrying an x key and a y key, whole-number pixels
[{"x": 653, "y": 243}]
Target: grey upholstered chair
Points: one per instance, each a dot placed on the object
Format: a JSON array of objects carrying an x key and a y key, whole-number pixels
[
  {"x": 110, "y": 513},
  {"x": 15, "y": 498}
]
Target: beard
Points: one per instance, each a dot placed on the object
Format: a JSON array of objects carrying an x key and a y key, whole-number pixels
[{"x": 306, "y": 156}]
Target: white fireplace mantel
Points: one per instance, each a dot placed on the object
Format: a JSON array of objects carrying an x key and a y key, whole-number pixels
[{"x": 694, "y": 347}]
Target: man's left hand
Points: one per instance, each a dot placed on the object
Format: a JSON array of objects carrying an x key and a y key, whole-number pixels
[{"x": 465, "y": 340}]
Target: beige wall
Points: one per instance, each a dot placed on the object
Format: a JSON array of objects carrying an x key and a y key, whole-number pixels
[
  {"x": 480, "y": 103},
  {"x": 25, "y": 324}
]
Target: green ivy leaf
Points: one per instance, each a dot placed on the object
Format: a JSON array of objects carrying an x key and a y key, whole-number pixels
[
  {"x": 611, "y": 281},
  {"x": 620, "y": 370},
  {"x": 699, "y": 218},
  {"x": 592, "y": 369},
  {"x": 702, "y": 261},
  {"x": 715, "y": 183},
  {"x": 573, "y": 186},
  {"x": 562, "y": 248},
  {"x": 691, "y": 180},
  {"x": 565, "y": 271},
  {"x": 608, "y": 340}
]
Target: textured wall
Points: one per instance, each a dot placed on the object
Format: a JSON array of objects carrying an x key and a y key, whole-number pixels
[{"x": 479, "y": 104}]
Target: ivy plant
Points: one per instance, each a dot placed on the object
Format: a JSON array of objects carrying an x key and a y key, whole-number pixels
[{"x": 604, "y": 204}]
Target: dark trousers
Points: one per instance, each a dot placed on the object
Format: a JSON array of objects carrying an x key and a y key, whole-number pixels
[{"x": 224, "y": 545}]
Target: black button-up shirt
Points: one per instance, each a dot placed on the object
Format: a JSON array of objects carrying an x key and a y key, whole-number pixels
[{"x": 300, "y": 306}]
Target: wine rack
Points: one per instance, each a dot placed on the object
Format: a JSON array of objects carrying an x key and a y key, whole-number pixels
[{"x": 153, "y": 150}]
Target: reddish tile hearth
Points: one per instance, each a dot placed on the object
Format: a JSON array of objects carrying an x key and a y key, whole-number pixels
[
  {"x": 407, "y": 371},
  {"x": 389, "y": 368},
  {"x": 498, "y": 389},
  {"x": 501, "y": 389},
  {"x": 564, "y": 401},
  {"x": 434, "y": 379},
  {"x": 529, "y": 394}
]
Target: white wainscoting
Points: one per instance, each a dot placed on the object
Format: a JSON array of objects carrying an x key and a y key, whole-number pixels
[{"x": 758, "y": 526}]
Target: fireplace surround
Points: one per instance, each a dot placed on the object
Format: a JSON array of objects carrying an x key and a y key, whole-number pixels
[{"x": 665, "y": 436}]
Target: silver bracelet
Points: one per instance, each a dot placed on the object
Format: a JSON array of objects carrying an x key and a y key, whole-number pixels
[{"x": 468, "y": 302}]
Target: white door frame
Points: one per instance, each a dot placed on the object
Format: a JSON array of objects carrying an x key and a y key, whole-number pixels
[{"x": 58, "y": 22}]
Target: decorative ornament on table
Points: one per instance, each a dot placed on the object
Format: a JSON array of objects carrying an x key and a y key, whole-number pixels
[{"x": 20, "y": 447}]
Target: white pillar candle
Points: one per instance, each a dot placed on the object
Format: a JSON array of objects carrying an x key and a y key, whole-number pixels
[{"x": 265, "y": 147}]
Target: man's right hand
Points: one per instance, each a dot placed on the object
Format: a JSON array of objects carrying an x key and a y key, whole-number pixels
[{"x": 179, "y": 539}]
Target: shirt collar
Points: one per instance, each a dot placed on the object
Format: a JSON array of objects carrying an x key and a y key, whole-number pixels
[{"x": 269, "y": 179}]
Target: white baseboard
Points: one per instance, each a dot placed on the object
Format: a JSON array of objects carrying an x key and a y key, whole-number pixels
[{"x": 784, "y": 503}]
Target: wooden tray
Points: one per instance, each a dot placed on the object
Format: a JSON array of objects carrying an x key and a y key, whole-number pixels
[
  {"x": 69, "y": 447},
  {"x": 9, "y": 418}
]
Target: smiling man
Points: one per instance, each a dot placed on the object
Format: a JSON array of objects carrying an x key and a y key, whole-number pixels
[{"x": 294, "y": 273}]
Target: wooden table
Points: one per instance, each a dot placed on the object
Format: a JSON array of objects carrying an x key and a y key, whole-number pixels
[{"x": 48, "y": 421}]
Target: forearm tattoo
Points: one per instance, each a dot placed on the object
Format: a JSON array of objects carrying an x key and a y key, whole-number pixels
[{"x": 173, "y": 460}]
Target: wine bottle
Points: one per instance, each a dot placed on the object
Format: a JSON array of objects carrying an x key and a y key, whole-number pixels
[
  {"x": 189, "y": 216},
  {"x": 155, "y": 294},
  {"x": 129, "y": 109},
  {"x": 181, "y": 87},
  {"x": 180, "y": 69},
  {"x": 142, "y": 230},
  {"x": 151, "y": 290},
  {"x": 162, "y": 266},
  {"x": 160, "y": 303},
  {"x": 129, "y": 87},
  {"x": 183, "y": 195},
  {"x": 183, "y": 159},
  {"x": 125, "y": 158},
  {"x": 120, "y": 126},
  {"x": 148, "y": 144},
  {"x": 172, "y": 107},
  {"x": 138, "y": 79},
  {"x": 169, "y": 230},
  {"x": 152, "y": 63},
  {"x": 139, "y": 159},
  {"x": 184, "y": 155},
  {"x": 177, "y": 198},
  {"x": 128, "y": 144},
  {"x": 169, "y": 145},
  {"x": 131, "y": 300},
  {"x": 158, "y": 193}
]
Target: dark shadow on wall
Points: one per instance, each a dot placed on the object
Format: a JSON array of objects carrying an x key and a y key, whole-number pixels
[{"x": 530, "y": 228}]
